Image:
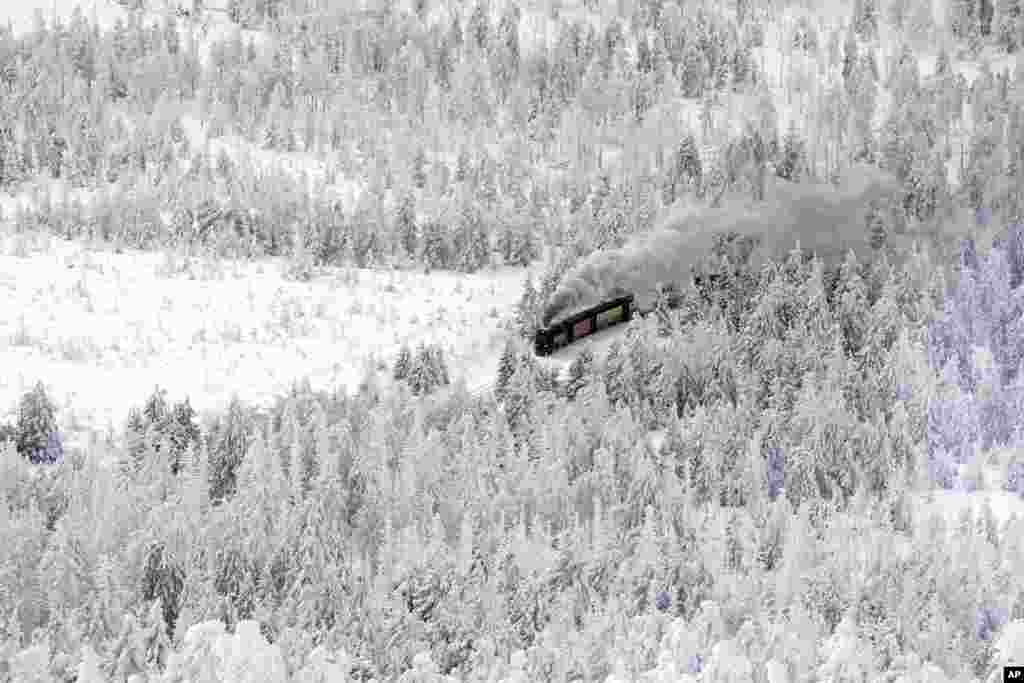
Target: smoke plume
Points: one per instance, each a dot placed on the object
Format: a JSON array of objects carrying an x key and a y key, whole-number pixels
[{"x": 827, "y": 220}]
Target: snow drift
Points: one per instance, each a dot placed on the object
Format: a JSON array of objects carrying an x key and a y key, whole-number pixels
[{"x": 827, "y": 220}]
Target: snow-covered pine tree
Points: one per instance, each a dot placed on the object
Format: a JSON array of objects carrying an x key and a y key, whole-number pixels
[
  {"x": 1009, "y": 24},
  {"x": 865, "y": 19},
  {"x": 877, "y": 229},
  {"x": 525, "y": 248},
  {"x": 793, "y": 162},
  {"x": 507, "y": 363},
  {"x": 436, "y": 249},
  {"x": 230, "y": 443},
  {"x": 297, "y": 467},
  {"x": 403, "y": 362},
  {"x": 526, "y": 309},
  {"x": 850, "y": 59},
  {"x": 324, "y": 454},
  {"x": 692, "y": 72},
  {"x": 506, "y": 242},
  {"x": 986, "y": 14},
  {"x": 418, "y": 170},
  {"x": 438, "y": 366},
  {"x": 420, "y": 377},
  {"x": 36, "y": 423},
  {"x": 579, "y": 370},
  {"x": 964, "y": 20},
  {"x": 473, "y": 243},
  {"x": 405, "y": 225}
]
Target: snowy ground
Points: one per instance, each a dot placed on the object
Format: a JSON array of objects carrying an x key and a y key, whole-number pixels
[{"x": 101, "y": 329}]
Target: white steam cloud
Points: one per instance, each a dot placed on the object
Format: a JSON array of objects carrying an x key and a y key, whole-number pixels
[{"x": 826, "y": 220}]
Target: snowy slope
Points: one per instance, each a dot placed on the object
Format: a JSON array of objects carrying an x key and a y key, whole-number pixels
[{"x": 101, "y": 329}]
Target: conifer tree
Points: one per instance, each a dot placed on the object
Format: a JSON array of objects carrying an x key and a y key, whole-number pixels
[
  {"x": 942, "y": 66},
  {"x": 519, "y": 393},
  {"x": 297, "y": 467},
  {"x": 479, "y": 26},
  {"x": 163, "y": 578},
  {"x": 692, "y": 74},
  {"x": 135, "y": 439},
  {"x": 506, "y": 57},
  {"x": 506, "y": 367},
  {"x": 851, "y": 58},
  {"x": 438, "y": 365},
  {"x": 526, "y": 309},
  {"x": 579, "y": 370},
  {"x": 229, "y": 441},
  {"x": 156, "y": 643},
  {"x": 793, "y": 163},
  {"x": 687, "y": 161},
  {"x": 420, "y": 377},
  {"x": 851, "y": 305},
  {"x": 436, "y": 250},
  {"x": 405, "y": 225},
  {"x": 403, "y": 362},
  {"x": 525, "y": 247},
  {"x": 865, "y": 18},
  {"x": 473, "y": 249},
  {"x": 742, "y": 66},
  {"x": 37, "y": 435},
  {"x": 986, "y": 13},
  {"x": 1009, "y": 24},
  {"x": 463, "y": 166},
  {"x": 965, "y": 20},
  {"x": 196, "y": 478},
  {"x": 505, "y": 243},
  {"x": 419, "y": 169}
]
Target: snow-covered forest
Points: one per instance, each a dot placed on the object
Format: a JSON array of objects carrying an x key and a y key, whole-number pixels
[{"x": 269, "y": 275}]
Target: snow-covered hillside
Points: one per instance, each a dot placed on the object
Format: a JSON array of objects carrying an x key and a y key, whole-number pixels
[{"x": 100, "y": 329}]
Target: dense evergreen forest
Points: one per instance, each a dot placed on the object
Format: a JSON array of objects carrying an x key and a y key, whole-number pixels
[{"x": 775, "y": 530}]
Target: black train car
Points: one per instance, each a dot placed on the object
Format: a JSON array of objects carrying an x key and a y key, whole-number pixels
[{"x": 582, "y": 324}]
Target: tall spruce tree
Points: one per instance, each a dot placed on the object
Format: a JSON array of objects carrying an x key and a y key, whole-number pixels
[
  {"x": 37, "y": 434},
  {"x": 579, "y": 370},
  {"x": 419, "y": 169},
  {"x": 793, "y": 162},
  {"x": 526, "y": 309},
  {"x": 436, "y": 249},
  {"x": 691, "y": 77},
  {"x": 1009, "y": 22},
  {"x": 405, "y": 225},
  {"x": 421, "y": 377},
  {"x": 403, "y": 362},
  {"x": 438, "y": 365},
  {"x": 865, "y": 18},
  {"x": 506, "y": 367}
]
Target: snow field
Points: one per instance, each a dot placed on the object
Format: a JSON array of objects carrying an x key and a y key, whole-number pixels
[{"x": 101, "y": 329}]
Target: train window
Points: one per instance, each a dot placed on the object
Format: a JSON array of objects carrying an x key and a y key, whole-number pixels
[
  {"x": 609, "y": 317},
  {"x": 581, "y": 329}
]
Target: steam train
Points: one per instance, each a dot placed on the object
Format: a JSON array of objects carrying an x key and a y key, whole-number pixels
[
  {"x": 616, "y": 311},
  {"x": 606, "y": 314}
]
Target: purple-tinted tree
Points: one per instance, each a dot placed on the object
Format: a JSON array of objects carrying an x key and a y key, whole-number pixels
[
  {"x": 38, "y": 438},
  {"x": 990, "y": 621}
]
